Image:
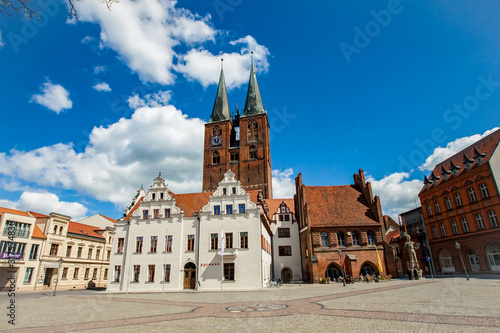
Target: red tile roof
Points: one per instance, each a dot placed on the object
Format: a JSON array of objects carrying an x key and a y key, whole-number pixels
[
  {"x": 191, "y": 203},
  {"x": 486, "y": 146},
  {"x": 37, "y": 233},
  {"x": 83, "y": 229},
  {"x": 12, "y": 211},
  {"x": 108, "y": 218},
  {"x": 331, "y": 206},
  {"x": 137, "y": 204},
  {"x": 274, "y": 204},
  {"x": 34, "y": 214}
]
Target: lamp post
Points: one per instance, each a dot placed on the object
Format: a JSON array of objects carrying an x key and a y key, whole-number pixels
[
  {"x": 457, "y": 246},
  {"x": 59, "y": 262},
  {"x": 342, "y": 264}
]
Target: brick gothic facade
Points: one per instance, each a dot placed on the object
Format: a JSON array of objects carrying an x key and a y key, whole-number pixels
[
  {"x": 238, "y": 143},
  {"x": 346, "y": 217},
  {"x": 460, "y": 203}
]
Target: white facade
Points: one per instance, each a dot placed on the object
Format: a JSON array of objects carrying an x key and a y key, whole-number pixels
[{"x": 192, "y": 260}]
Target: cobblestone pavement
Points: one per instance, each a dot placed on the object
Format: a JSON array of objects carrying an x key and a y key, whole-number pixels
[{"x": 442, "y": 305}]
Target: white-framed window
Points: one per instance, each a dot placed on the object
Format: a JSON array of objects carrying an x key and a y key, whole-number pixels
[
  {"x": 480, "y": 222},
  {"x": 28, "y": 275},
  {"x": 458, "y": 200},
  {"x": 443, "y": 230},
  {"x": 434, "y": 232},
  {"x": 484, "y": 191},
  {"x": 355, "y": 239},
  {"x": 493, "y": 254},
  {"x": 324, "y": 240},
  {"x": 448, "y": 203},
  {"x": 472, "y": 194},
  {"x": 429, "y": 210},
  {"x": 493, "y": 219},
  {"x": 454, "y": 227},
  {"x": 446, "y": 261},
  {"x": 438, "y": 209},
  {"x": 465, "y": 224},
  {"x": 371, "y": 237},
  {"x": 340, "y": 239}
]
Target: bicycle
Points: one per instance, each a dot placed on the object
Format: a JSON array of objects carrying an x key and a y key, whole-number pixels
[{"x": 274, "y": 283}]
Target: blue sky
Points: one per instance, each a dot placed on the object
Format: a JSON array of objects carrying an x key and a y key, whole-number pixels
[{"x": 94, "y": 109}]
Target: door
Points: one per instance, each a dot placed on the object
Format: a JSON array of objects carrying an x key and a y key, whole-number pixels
[
  {"x": 286, "y": 275},
  {"x": 190, "y": 276},
  {"x": 48, "y": 276},
  {"x": 473, "y": 261}
]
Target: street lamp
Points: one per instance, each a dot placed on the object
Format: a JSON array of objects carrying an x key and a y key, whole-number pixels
[
  {"x": 457, "y": 246},
  {"x": 341, "y": 264},
  {"x": 59, "y": 262}
]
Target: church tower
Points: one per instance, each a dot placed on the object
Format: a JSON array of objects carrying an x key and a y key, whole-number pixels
[{"x": 240, "y": 143}]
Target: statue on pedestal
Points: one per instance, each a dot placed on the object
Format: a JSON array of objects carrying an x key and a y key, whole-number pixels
[{"x": 412, "y": 265}]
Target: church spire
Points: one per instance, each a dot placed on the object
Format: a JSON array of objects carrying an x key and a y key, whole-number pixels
[
  {"x": 253, "y": 103},
  {"x": 221, "y": 105}
]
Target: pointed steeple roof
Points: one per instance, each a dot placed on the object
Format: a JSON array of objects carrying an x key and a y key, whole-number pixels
[
  {"x": 253, "y": 103},
  {"x": 221, "y": 105}
]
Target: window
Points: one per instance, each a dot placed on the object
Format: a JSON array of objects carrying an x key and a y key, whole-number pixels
[
  {"x": 12, "y": 250},
  {"x": 241, "y": 208},
  {"x": 244, "y": 240},
  {"x": 97, "y": 253},
  {"x": 484, "y": 190},
  {"x": 355, "y": 239},
  {"x": 138, "y": 245},
  {"x": 429, "y": 210},
  {"x": 281, "y": 217},
  {"x": 161, "y": 195},
  {"x": 156, "y": 213},
  {"x": 120, "y": 245},
  {"x": 79, "y": 253},
  {"x": 166, "y": 269},
  {"x": 371, "y": 237},
  {"x": 287, "y": 218},
  {"x": 60, "y": 230},
  {"x": 443, "y": 230},
  {"x": 480, "y": 222},
  {"x": 94, "y": 274},
  {"x": 324, "y": 239},
  {"x": 229, "y": 271},
  {"x": 65, "y": 273},
  {"x": 448, "y": 203},
  {"x": 55, "y": 229},
  {"x": 34, "y": 250},
  {"x": 465, "y": 224},
  {"x": 68, "y": 251},
  {"x": 154, "y": 243},
  {"x": 89, "y": 256},
  {"x": 493, "y": 219},
  {"x": 27, "y": 275},
  {"x": 153, "y": 196},
  {"x": 455, "y": 227},
  {"x": 224, "y": 191},
  {"x": 168, "y": 243},
  {"x": 214, "y": 241},
  {"x": 283, "y": 232},
  {"x": 341, "y": 238},
  {"x": 216, "y": 210},
  {"x": 285, "y": 251},
  {"x": 216, "y": 157},
  {"x": 253, "y": 133},
  {"x": 253, "y": 152},
  {"x": 53, "y": 249},
  {"x": 458, "y": 200},
  {"x": 235, "y": 157},
  {"x": 472, "y": 194},
  {"x": 229, "y": 240},
  {"x": 234, "y": 190},
  {"x": 105, "y": 274},
  {"x": 493, "y": 255},
  {"x": 137, "y": 273},
  {"x": 22, "y": 230},
  {"x": 229, "y": 209},
  {"x": 216, "y": 131},
  {"x": 438, "y": 209},
  {"x": 434, "y": 232},
  {"x": 167, "y": 212},
  {"x": 190, "y": 243},
  {"x": 87, "y": 272},
  {"x": 118, "y": 270},
  {"x": 108, "y": 256},
  {"x": 75, "y": 273},
  {"x": 145, "y": 213},
  {"x": 151, "y": 273}
]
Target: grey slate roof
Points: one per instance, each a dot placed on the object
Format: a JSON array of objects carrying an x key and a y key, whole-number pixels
[{"x": 253, "y": 103}]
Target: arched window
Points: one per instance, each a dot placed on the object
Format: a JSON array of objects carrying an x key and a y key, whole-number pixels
[
  {"x": 493, "y": 219},
  {"x": 446, "y": 261},
  {"x": 480, "y": 222},
  {"x": 55, "y": 229},
  {"x": 493, "y": 254},
  {"x": 324, "y": 240},
  {"x": 371, "y": 237},
  {"x": 216, "y": 131},
  {"x": 341, "y": 238},
  {"x": 355, "y": 239},
  {"x": 253, "y": 131},
  {"x": 60, "y": 230},
  {"x": 472, "y": 194},
  {"x": 253, "y": 152},
  {"x": 216, "y": 158},
  {"x": 484, "y": 190}
]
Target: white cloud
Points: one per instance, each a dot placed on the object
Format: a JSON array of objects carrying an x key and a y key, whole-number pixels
[
  {"x": 152, "y": 37},
  {"x": 440, "y": 154},
  {"x": 102, "y": 86},
  {"x": 159, "y": 98},
  {"x": 120, "y": 157},
  {"x": 283, "y": 183},
  {"x": 45, "y": 203},
  {"x": 201, "y": 65},
  {"x": 397, "y": 195},
  {"x": 53, "y": 97},
  {"x": 87, "y": 40},
  {"x": 1, "y": 40},
  {"x": 100, "y": 69}
]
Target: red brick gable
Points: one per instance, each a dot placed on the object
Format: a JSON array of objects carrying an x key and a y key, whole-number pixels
[{"x": 332, "y": 206}]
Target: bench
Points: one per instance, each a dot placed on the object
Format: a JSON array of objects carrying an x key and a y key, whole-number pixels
[{"x": 296, "y": 282}]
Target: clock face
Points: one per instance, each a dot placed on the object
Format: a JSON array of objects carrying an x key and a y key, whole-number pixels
[{"x": 216, "y": 140}]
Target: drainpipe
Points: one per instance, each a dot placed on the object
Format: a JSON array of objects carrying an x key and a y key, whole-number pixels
[{"x": 197, "y": 253}]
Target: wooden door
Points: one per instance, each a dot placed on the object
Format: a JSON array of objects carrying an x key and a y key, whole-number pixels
[{"x": 189, "y": 278}]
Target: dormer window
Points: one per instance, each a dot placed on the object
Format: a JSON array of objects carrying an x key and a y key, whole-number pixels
[
  {"x": 454, "y": 169},
  {"x": 467, "y": 162},
  {"x": 478, "y": 157}
]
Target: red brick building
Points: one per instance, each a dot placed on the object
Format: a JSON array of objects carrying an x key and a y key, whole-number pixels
[
  {"x": 346, "y": 217},
  {"x": 460, "y": 204}
]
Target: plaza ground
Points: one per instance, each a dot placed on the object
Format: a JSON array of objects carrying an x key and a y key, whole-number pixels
[{"x": 443, "y": 305}]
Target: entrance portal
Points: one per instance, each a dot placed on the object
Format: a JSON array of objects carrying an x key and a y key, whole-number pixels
[
  {"x": 286, "y": 275},
  {"x": 190, "y": 276},
  {"x": 473, "y": 260},
  {"x": 49, "y": 272}
]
